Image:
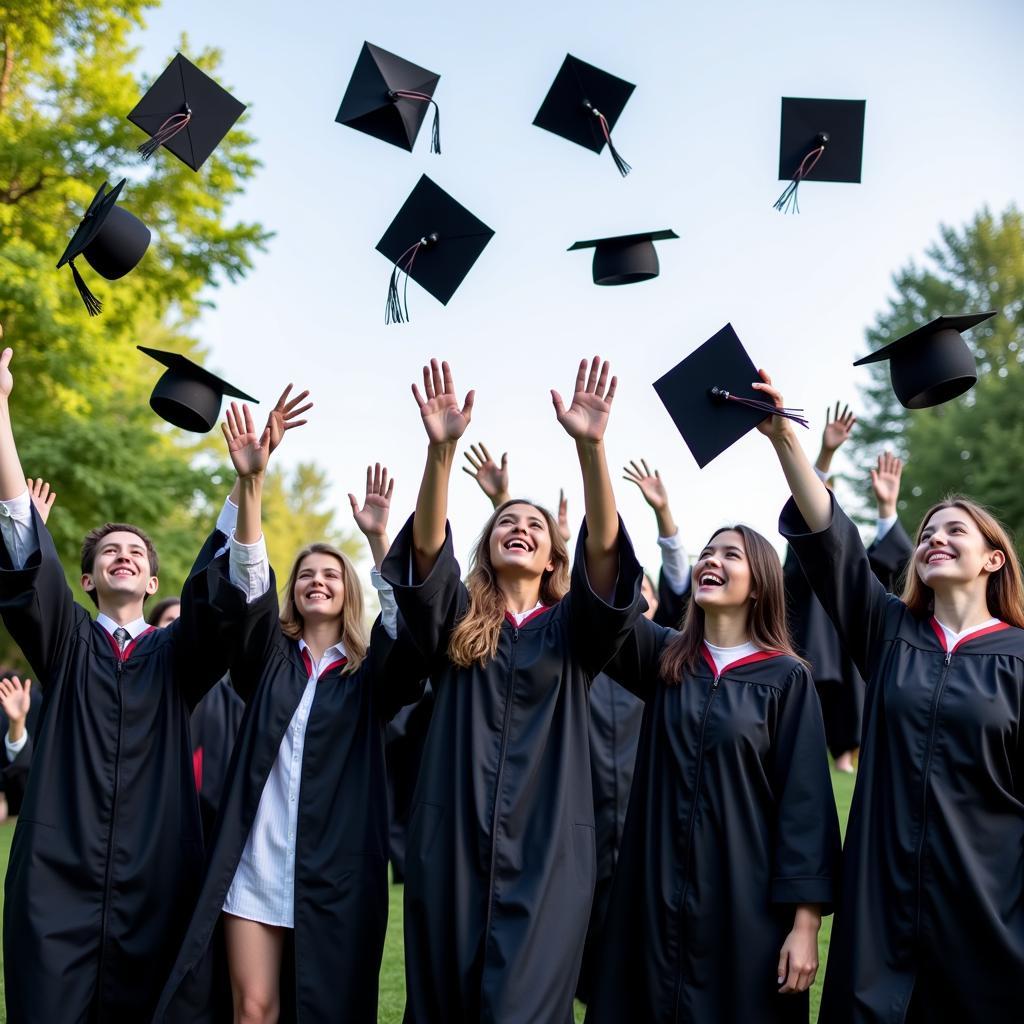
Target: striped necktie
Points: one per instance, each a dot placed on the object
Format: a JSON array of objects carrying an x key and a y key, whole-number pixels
[{"x": 122, "y": 636}]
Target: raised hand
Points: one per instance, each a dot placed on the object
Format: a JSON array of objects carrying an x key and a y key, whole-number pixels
[
  {"x": 885, "y": 482},
  {"x": 249, "y": 451},
  {"x": 443, "y": 420},
  {"x": 492, "y": 478},
  {"x": 774, "y": 428},
  {"x": 372, "y": 518},
  {"x": 6, "y": 377},
  {"x": 649, "y": 483},
  {"x": 283, "y": 416},
  {"x": 15, "y": 699},
  {"x": 42, "y": 497},
  {"x": 563, "y": 516},
  {"x": 587, "y": 416},
  {"x": 837, "y": 428}
]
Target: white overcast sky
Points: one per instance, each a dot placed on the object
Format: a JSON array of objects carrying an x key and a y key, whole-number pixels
[{"x": 944, "y": 91}]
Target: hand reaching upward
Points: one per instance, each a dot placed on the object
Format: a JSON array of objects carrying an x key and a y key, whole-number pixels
[
  {"x": 372, "y": 518},
  {"x": 649, "y": 483},
  {"x": 563, "y": 516},
  {"x": 587, "y": 416},
  {"x": 249, "y": 451},
  {"x": 443, "y": 420},
  {"x": 15, "y": 699},
  {"x": 838, "y": 426},
  {"x": 42, "y": 497},
  {"x": 283, "y": 416},
  {"x": 6, "y": 377},
  {"x": 491, "y": 478},
  {"x": 885, "y": 482}
]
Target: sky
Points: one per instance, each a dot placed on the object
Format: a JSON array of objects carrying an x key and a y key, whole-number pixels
[{"x": 943, "y": 138}]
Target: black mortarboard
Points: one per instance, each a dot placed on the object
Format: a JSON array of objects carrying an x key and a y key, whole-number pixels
[
  {"x": 710, "y": 398},
  {"x": 583, "y": 105},
  {"x": 186, "y": 111},
  {"x": 933, "y": 364},
  {"x": 111, "y": 239},
  {"x": 387, "y": 97},
  {"x": 187, "y": 395},
  {"x": 820, "y": 140},
  {"x": 435, "y": 241},
  {"x": 625, "y": 259}
]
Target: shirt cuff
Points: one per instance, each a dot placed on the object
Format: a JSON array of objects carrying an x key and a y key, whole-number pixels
[
  {"x": 674, "y": 563},
  {"x": 884, "y": 526},
  {"x": 15, "y": 748},
  {"x": 19, "y": 508},
  {"x": 249, "y": 567},
  {"x": 823, "y": 477},
  {"x": 388, "y": 604},
  {"x": 228, "y": 518}
]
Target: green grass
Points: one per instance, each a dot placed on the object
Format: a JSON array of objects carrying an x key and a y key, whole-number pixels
[{"x": 392, "y": 981}]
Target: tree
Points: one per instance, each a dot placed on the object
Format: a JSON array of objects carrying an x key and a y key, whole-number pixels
[{"x": 974, "y": 444}]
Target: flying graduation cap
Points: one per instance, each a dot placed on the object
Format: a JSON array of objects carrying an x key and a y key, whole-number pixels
[
  {"x": 187, "y": 395},
  {"x": 111, "y": 239},
  {"x": 186, "y": 111},
  {"x": 933, "y": 364},
  {"x": 820, "y": 140},
  {"x": 583, "y": 106},
  {"x": 710, "y": 398},
  {"x": 625, "y": 259},
  {"x": 435, "y": 241},
  {"x": 387, "y": 97}
]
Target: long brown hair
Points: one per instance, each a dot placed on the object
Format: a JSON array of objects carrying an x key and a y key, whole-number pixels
[
  {"x": 474, "y": 641},
  {"x": 766, "y": 618},
  {"x": 1004, "y": 591},
  {"x": 353, "y": 631}
]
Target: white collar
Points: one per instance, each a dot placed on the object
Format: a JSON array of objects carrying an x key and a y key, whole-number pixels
[
  {"x": 135, "y": 629},
  {"x": 519, "y": 616},
  {"x": 332, "y": 653}
]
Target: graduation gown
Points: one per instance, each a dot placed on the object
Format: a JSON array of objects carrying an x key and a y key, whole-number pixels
[
  {"x": 341, "y": 844},
  {"x": 501, "y": 859},
  {"x": 731, "y": 824},
  {"x": 107, "y": 854},
  {"x": 930, "y": 926},
  {"x": 214, "y": 724}
]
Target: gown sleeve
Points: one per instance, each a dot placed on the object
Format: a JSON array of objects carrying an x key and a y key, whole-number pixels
[
  {"x": 890, "y": 555},
  {"x": 837, "y": 568},
  {"x": 636, "y": 664},
  {"x": 805, "y": 859},
  {"x": 398, "y": 669},
  {"x": 430, "y": 608},
  {"x": 599, "y": 628},
  {"x": 38, "y": 608}
]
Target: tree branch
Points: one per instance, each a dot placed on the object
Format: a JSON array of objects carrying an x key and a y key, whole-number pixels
[
  {"x": 14, "y": 194},
  {"x": 5, "y": 75}
]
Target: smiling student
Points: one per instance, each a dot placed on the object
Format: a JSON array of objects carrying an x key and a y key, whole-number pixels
[
  {"x": 930, "y": 927},
  {"x": 500, "y": 862}
]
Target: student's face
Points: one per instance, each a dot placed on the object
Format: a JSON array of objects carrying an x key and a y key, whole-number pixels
[
  {"x": 953, "y": 551},
  {"x": 721, "y": 575},
  {"x": 120, "y": 569},
  {"x": 649, "y": 596},
  {"x": 520, "y": 544},
  {"x": 319, "y": 587},
  {"x": 168, "y": 615}
]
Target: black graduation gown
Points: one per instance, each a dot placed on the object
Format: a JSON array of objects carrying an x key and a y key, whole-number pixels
[
  {"x": 930, "y": 925},
  {"x": 500, "y": 863},
  {"x": 214, "y": 725},
  {"x": 341, "y": 897},
  {"x": 107, "y": 854},
  {"x": 731, "y": 824},
  {"x": 890, "y": 556}
]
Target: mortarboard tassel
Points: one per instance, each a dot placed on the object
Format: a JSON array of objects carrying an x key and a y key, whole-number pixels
[
  {"x": 422, "y": 97},
  {"x": 396, "y": 311},
  {"x": 787, "y": 202},
  {"x": 92, "y": 304},
  {"x": 171, "y": 126},
  {"x": 621, "y": 164},
  {"x": 721, "y": 395}
]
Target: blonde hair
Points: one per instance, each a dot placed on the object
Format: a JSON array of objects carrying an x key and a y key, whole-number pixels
[
  {"x": 1004, "y": 592},
  {"x": 474, "y": 641},
  {"x": 353, "y": 629}
]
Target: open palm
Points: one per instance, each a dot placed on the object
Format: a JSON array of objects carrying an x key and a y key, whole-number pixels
[
  {"x": 838, "y": 426},
  {"x": 372, "y": 518},
  {"x": 249, "y": 451},
  {"x": 284, "y": 415},
  {"x": 443, "y": 419},
  {"x": 649, "y": 483},
  {"x": 15, "y": 697},
  {"x": 587, "y": 416},
  {"x": 885, "y": 479}
]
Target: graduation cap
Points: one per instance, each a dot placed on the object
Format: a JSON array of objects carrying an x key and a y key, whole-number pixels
[
  {"x": 933, "y": 364},
  {"x": 625, "y": 259},
  {"x": 111, "y": 239},
  {"x": 710, "y": 398},
  {"x": 186, "y": 111},
  {"x": 188, "y": 395},
  {"x": 435, "y": 241},
  {"x": 820, "y": 140},
  {"x": 387, "y": 97},
  {"x": 583, "y": 105}
]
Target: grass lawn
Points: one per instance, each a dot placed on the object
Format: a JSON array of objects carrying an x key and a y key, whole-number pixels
[{"x": 392, "y": 984}]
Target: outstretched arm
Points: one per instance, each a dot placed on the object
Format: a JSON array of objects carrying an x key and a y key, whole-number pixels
[
  {"x": 444, "y": 423},
  {"x": 585, "y": 421},
  {"x": 674, "y": 564},
  {"x": 12, "y": 478},
  {"x": 885, "y": 482},
  {"x": 372, "y": 518},
  {"x": 809, "y": 493},
  {"x": 492, "y": 478},
  {"x": 836, "y": 433}
]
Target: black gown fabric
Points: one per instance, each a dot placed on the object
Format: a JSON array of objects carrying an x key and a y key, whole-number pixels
[
  {"x": 341, "y": 845},
  {"x": 500, "y": 865},
  {"x": 731, "y": 824},
  {"x": 107, "y": 854},
  {"x": 930, "y": 926},
  {"x": 214, "y": 725}
]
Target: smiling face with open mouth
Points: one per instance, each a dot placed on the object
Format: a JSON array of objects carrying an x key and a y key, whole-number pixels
[
  {"x": 319, "y": 587},
  {"x": 520, "y": 543},
  {"x": 721, "y": 575},
  {"x": 951, "y": 550},
  {"x": 120, "y": 570}
]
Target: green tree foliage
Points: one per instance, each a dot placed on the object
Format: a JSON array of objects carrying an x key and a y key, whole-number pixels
[{"x": 975, "y": 444}]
